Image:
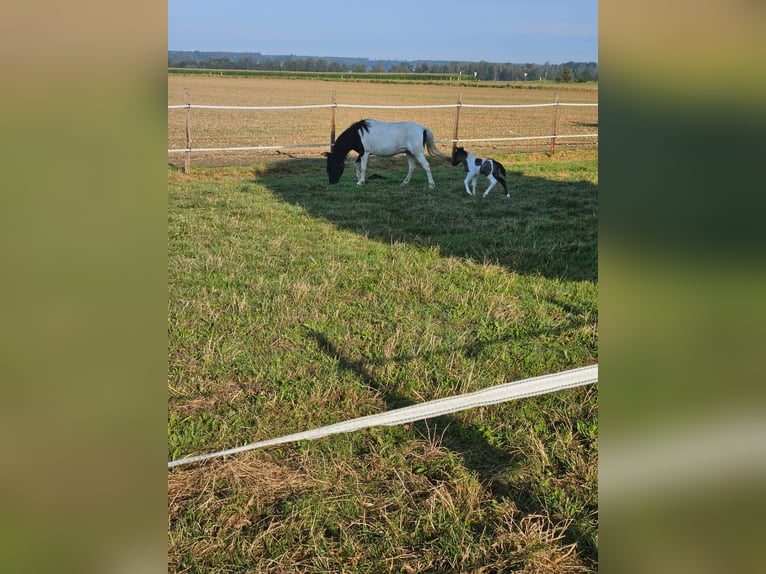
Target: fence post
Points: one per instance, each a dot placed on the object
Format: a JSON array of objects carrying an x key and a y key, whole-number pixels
[
  {"x": 457, "y": 121},
  {"x": 332, "y": 121},
  {"x": 187, "y": 153},
  {"x": 555, "y": 107}
]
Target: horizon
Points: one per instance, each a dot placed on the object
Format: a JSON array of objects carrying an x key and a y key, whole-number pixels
[{"x": 366, "y": 58}]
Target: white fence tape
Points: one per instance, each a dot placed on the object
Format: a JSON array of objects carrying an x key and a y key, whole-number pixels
[
  {"x": 519, "y": 138},
  {"x": 375, "y": 107},
  {"x": 362, "y": 106},
  {"x": 419, "y": 107},
  {"x": 252, "y": 148},
  {"x": 435, "y": 408},
  {"x": 208, "y": 107},
  {"x": 292, "y": 146}
]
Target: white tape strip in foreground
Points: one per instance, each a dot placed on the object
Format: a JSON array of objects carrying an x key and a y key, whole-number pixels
[{"x": 435, "y": 408}]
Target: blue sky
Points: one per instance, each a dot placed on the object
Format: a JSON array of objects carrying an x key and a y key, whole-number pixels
[{"x": 516, "y": 31}]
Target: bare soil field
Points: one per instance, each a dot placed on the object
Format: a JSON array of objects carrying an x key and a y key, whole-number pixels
[{"x": 245, "y": 128}]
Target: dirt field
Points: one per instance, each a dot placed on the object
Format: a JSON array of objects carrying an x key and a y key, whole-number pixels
[{"x": 242, "y": 128}]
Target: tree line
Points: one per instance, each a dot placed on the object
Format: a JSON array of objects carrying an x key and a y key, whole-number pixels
[{"x": 484, "y": 71}]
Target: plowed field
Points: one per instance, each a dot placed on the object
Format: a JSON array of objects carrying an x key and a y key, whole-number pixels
[{"x": 247, "y": 128}]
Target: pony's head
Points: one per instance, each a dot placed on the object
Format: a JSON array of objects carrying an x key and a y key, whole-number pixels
[
  {"x": 335, "y": 166},
  {"x": 458, "y": 155}
]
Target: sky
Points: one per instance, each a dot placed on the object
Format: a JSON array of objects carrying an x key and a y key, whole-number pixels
[{"x": 515, "y": 31}]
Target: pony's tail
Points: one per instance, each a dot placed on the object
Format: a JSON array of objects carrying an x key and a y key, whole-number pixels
[{"x": 428, "y": 140}]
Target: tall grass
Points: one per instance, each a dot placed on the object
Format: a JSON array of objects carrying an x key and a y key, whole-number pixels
[{"x": 294, "y": 304}]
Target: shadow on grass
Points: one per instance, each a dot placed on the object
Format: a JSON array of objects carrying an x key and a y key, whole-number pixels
[
  {"x": 489, "y": 463},
  {"x": 480, "y": 457},
  {"x": 549, "y": 226}
]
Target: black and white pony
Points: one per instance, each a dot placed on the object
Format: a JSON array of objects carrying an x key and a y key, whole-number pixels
[
  {"x": 371, "y": 137},
  {"x": 475, "y": 165}
]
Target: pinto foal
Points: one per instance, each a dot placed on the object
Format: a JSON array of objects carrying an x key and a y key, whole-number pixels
[{"x": 474, "y": 166}]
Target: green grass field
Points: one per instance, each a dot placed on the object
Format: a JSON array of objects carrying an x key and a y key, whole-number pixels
[{"x": 294, "y": 304}]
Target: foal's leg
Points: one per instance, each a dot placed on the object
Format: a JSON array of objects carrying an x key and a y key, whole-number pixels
[
  {"x": 492, "y": 182},
  {"x": 501, "y": 179},
  {"x": 410, "y": 169},
  {"x": 468, "y": 179}
]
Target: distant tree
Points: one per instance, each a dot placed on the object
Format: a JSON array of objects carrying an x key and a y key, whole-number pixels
[
  {"x": 530, "y": 72},
  {"x": 545, "y": 71},
  {"x": 584, "y": 75},
  {"x": 566, "y": 75},
  {"x": 485, "y": 71},
  {"x": 220, "y": 63},
  {"x": 454, "y": 67},
  {"x": 400, "y": 68},
  {"x": 507, "y": 72}
]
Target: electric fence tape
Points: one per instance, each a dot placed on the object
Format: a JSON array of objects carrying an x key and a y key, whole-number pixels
[{"x": 493, "y": 395}]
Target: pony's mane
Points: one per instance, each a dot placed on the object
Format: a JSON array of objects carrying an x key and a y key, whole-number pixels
[
  {"x": 350, "y": 140},
  {"x": 363, "y": 125}
]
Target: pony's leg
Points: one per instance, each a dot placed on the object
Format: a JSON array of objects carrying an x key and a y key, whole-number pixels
[
  {"x": 362, "y": 168},
  {"x": 410, "y": 169},
  {"x": 492, "y": 182},
  {"x": 424, "y": 162},
  {"x": 468, "y": 179},
  {"x": 357, "y": 169}
]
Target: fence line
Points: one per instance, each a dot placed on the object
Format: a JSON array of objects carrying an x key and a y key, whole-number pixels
[
  {"x": 252, "y": 148},
  {"x": 519, "y": 138},
  {"x": 373, "y": 106},
  {"x": 334, "y": 105},
  {"x": 209, "y": 107},
  {"x": 294, "y": 146}
]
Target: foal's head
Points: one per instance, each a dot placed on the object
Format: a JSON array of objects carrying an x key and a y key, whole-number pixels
[{"x": 458, "y": 155}]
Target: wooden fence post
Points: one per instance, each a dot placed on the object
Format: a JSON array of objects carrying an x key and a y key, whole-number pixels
[
  {"x": 457, "y": 121},
  {"x": 332, "y": 121},
  {"x": 555, "y": 107},
  {"x": 187, "y": 153}
]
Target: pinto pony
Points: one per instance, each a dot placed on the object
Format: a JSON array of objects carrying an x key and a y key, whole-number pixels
[
  {"x": 474, "y": 166},
  {"x": 371, "y": 137}
]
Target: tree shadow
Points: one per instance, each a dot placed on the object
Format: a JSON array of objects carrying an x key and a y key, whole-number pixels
[
  {"x": 490, "y": 464},
  {"x": 485, "y": 460},
  {"x": 547, "y": 227}
]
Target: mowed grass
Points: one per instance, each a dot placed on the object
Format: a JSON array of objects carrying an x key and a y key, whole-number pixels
[{"x": 294, "y": 304}]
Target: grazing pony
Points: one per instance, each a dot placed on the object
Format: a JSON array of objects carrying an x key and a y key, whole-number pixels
[
  {"x": 474, "y": 166},
  {"x": 370, "y": 136}
]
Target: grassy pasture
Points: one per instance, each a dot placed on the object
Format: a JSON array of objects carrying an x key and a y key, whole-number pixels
[
  {"x": 294, "y": 304},
  {"x": 238, "y": 128}
]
